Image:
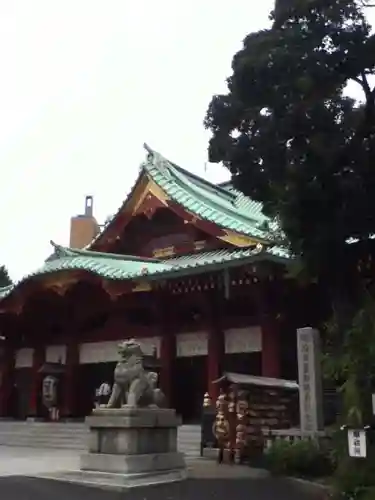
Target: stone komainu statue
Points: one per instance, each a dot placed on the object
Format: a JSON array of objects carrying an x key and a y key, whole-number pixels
[{"x": 133, "y": 386}]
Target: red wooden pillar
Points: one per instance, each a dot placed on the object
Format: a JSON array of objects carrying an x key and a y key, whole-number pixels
[
  {"x": 6, "y": 379},
  {"x": 167, "y": 359},
  {"x": 270, "y": 349},
  {"x": 214, "y": 361},
  {"x": 215, "y": 348},
  {"x": 267, "y": 297},
  {"x": 167, "y": 344},
  {"x": 69, "y": 381},
  {"x": 36, "y": 380}
]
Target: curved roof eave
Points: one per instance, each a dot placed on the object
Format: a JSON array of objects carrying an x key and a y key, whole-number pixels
[
  {"x": 229, "y": 210},
  {"x": 122, "y": 270}
]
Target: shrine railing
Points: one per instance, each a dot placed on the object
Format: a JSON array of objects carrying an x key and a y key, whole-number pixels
[
  {"x": 210, "y": 450},
  {"x": 292, "y": 435}
]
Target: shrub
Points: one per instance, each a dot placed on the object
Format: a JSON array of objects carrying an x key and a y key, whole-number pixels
[
  {"x": 354, "y": 478},
  {"x": 299, "y": 458}
]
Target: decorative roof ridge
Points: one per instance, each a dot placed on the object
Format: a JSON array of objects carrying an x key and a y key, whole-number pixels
[
  {"x": 164, "y": 168},
  {"x": 187, "y": 173},
  {"x": 78, "y": 252},
  {"x": 229, "y": 251},
  {"x": 187, "y": 185},
  {"x": 114, "y": 216},
  {"x": 225, "y": 183}
]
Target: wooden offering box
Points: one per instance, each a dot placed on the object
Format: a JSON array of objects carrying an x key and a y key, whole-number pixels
[{"x": 248, "y": 408}]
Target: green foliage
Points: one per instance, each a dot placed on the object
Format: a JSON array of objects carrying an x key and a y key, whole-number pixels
[
  {"x": 4, "y": 277},
  {"x": 349, "y": 359},
  {"x": 293, "y": 141},
  {"x": 354, "y": 477},
  {"x": 300, "y": 458},
  {"x": 368, "y": 493}
]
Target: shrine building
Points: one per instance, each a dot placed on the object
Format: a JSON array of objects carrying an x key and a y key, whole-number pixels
[{"x": 189, "y": 268}]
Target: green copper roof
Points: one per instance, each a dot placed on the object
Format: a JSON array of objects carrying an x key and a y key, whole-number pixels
[
  {"x": 220, "y": 204},
  {"x": 245, "y": 204},
  {"x": 5, "y": 290},
  {"x": 122, "y": 267},
  {"x": 224, "y": 207}
]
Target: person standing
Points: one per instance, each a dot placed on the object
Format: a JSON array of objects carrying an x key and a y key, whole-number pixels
[{"x": 104, "y": 393}]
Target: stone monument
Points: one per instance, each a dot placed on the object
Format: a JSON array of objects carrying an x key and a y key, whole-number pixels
[
  {"x": 310, "y": 380},
  {"x": 133, "y": 439}
]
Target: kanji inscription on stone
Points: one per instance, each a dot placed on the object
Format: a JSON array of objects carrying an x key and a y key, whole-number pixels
[{"x": 310, "y": 381}]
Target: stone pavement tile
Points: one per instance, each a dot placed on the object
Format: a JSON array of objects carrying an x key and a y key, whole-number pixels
[
  {"x": 26, "y": 461},
  {"x": 206, "y": 480},
  {"x": 201, "y": 468},
  {"x": 21, "y": 488}
]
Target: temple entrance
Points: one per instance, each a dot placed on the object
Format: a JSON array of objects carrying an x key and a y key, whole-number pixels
[
  {"x": 90, "y": 377},
  {"x": 190, "y": 384},
  {"x": 248, "y": 363},
  {"x": 20, "y": 395}
]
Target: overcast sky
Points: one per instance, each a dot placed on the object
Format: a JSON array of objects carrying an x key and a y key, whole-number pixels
[{"x": 84, "y": 83}]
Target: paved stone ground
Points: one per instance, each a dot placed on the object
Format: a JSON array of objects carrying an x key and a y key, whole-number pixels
[
  {"x": 21, "y": 488},
  {"x": 206, "y": 480},
  {"x": 25, "y": 461}
]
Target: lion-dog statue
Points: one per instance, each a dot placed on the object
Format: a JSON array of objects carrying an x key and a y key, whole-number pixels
[{"x": 133, "y": 386}]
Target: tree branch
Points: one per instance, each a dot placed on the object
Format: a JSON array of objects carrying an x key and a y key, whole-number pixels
[
  {"x": 365, "y": 3},
  {"x": 364, "y": 127},
  {"x": 363, "y": 82},
  {"x": 366, "y": 86},
  {"x": 360, "y": 82}
]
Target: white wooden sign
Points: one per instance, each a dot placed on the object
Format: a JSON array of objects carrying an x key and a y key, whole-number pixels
[
  {"x": 24, "y": 358},
  {"x": 56, "y": 354},
  {"x": 191, "y": 344},
  {"x": 357, "y": 445},
  {"x": 107, "y": 352},
  {"x": 239, "y": 340},
  {"x": 150, "y": 345},
  {"x": 98, "y": 352}
]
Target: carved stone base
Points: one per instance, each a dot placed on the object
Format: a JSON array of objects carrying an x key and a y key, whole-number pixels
[
  {"x": 132, "y": 464},
  {"x": 116, "y": 482},
  {"x": 133, "y": 441}
]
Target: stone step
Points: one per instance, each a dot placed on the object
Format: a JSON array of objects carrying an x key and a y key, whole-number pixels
[
  {"x": 48, "y": 432},
  {"x": 45, "y": 445},
  {"x": 74, "y": 436},
  {"x": 77, "y": 435}
]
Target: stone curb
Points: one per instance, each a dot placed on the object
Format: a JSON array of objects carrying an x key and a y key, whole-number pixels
[
  {"x": 112, "y": 482},
  {"x": 309, "y": 486}
]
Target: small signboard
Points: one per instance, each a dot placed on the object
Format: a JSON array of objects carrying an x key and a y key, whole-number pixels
[{"x": 357, "y": 443}]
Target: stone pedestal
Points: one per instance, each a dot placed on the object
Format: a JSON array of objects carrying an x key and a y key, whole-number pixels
[{"x": 134, "y": 443}]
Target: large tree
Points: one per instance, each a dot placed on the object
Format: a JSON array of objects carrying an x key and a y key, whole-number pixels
[
  {"x": 295, "y": 142},
  {"x": 4, "y": 277}
]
